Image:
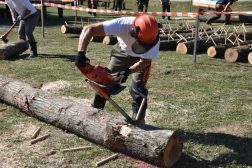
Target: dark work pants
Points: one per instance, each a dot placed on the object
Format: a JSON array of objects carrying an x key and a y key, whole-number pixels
[
  {"x": 27, "y": 26},
  {"x": 166, "y": 6},
  {"x": 140, "y": 8},
  {"x": 146, "y": 3},
  {"x": 95, "y": 4},
  {"x": 119, "y": 61},
  {"x": 118, "y": 5},
  {"x": 89, "y": 6}
]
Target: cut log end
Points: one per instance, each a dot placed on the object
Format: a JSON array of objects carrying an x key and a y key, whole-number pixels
[
  {"x": 181, "y": 48},
  {"x": 106, "y": 40},
  {"x": 173, "y": 150},
  {"x": 63, "y": 29},
  {"x": 231, "y": 55},
  {"x": 250, "y": 58},
  {"x": 2, "y": 55},
  {"x": 211, "y": 52}
]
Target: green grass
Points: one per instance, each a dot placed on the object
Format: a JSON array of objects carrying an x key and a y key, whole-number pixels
[{"x": 208, "y": 102}]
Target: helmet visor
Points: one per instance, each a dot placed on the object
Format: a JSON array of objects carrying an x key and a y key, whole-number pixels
[{"x": 139, "y": 47}]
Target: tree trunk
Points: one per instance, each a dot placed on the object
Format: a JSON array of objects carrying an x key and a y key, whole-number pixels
[
  {"x": 152, "y": 144},
  {"x": 219, "y": 51},
  {"x": 171, "y": 44},
  {"x": 202, "y": 46},
  {"x": 13, "y": 49},
  {"x": 71, "y": 30},
  {"x": 233, "y": 18},
  {"x": 250, "y": 58},
  {"x": 239, "y": 53},
  {"x": 110, "y": 40},
  {"x": 97, "y": 38}
]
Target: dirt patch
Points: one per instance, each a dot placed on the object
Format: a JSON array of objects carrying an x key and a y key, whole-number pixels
[
  {"x": 236, "y": 130},
  {"x": 52, "y": 86}
]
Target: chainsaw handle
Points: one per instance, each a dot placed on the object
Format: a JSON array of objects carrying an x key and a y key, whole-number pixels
[{"x": 100, "y": 85}]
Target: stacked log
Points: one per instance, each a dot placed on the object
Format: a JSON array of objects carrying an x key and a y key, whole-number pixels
[
  {"x": 171, "y": 44},
  {"x": 159, "y": 146},
  {"x": 71, "y": 30},
  {"x": 110, "y": 40},
  {"x": 237, "y": 54},
  {"x": 97, "y": 38},
  {"x": 250, "y": 58},
  {"x": 219, "y": 51},
  {"x": 13, "y": 49},
  {"x": 202, "y": 45}
]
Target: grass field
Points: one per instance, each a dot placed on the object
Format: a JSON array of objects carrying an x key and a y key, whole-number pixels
[{"x": 209, "y": 102}]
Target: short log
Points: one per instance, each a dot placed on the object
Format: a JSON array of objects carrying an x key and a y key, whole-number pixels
[
  {"x": 97, "y": 38},
  {"x": 171, "y": 44},
  {"x": 13, "y": 49},
  {"x": 71, "y": 30},
  {"x": 155, "y": 145},
  {"x": 239, "y": 53},
  {"x": 250, "y": 58},
  {"x": 110, "y": 40}
]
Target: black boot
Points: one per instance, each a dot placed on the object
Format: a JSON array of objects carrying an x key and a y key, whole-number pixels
[
  {"x": 33, "y": 49},
  {"x": 227, "y": 19}
]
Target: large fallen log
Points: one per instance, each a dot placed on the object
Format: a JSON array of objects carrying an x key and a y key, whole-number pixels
[
  {"x": 233, "y": 18},
  {"x": 239, "y": 53},
  {"x": 110, "y": 40},
  {"x": 152, "y": 144},
  {"x": 13, "y": 49},
  {"x": 219, "y": 51},
  {"x": 71, "y": 30}
]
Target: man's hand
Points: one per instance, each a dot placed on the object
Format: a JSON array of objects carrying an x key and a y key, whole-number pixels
[
  {"x": 123, "y": 75},
  {"x": 14, "y": 20},
  {"x": 21, "y": 17},
  {"x": 81, "y": 59}
]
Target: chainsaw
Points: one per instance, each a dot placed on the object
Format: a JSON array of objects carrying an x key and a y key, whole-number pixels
[{"x": 101, "y": 80}]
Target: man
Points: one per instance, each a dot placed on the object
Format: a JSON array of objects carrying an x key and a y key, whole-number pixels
[
  {"x": 140, "y": 5},
  {"x": 28, "y": 17},
  {"x": 118, "y": 4},
  {"x": 138, "y": 43},
  {"x": 223, "y": 6},
  {"x": 94, "y": 6},
  {"x": 146, "y": 4},
  {"x": 166, "y": 5}
]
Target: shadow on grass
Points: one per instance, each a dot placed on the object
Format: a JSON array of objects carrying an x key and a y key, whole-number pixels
[{"x": 240, "y": 156}]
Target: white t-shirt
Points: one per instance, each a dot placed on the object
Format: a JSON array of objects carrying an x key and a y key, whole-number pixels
[
  {"x": 121, "y": 28},
  {"x": 20, "y": 5}
]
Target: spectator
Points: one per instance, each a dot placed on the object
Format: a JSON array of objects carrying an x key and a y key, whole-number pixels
[
  {"x": 166, "y": 5},
  {"x": 94, "y": 5},
  {"x": 89, "y": 6},
  {"x": 224, "y": 6},
  {"x": 140, "y": 5},
  {"x": 118, "y": 5},
  {"x": 146, "y": 3},
  {"x": 28, "y": 17}
]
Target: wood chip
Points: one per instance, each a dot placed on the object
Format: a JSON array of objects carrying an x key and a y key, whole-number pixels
[
  {"x": 107, "y": 159},
  {"x": 40, "y": 138}
]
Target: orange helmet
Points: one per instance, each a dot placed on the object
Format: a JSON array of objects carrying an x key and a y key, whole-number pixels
[{"x": 146, "y": 31}]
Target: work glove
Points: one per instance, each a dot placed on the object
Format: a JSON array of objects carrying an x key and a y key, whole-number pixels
[
  {"x": 225, "y": 10},
  {"x": 14, "y": 20},
  {"x": 81, "y": 59},
  {"x": 123, "y": 75},
  {"x": 21, "y": 17}
]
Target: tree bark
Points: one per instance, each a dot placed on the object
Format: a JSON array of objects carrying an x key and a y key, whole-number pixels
[
  {"x": 171, "y": 44},
  {"x": 250, "y": 58},
  {"x": 219, "y": 51},
  {"x": 13, "y": 49},
  {"x": 152, "y": 144},
  {"x": 110, "y": 40},
  {"x": 233, "y": 18},
  {"x": 239, "y": 53},
  {"x": 71, "y": 30},
  {"x": 97, "y": 38}
]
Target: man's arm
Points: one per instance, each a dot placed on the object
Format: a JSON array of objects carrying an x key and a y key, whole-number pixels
[
  {"x": 227, "y": 6},
  {"x": 140, "y": 65},
  {"x": 87, "y": 33}
]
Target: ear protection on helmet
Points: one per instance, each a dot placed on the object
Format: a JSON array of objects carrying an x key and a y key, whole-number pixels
[{"x": 132, "y": 31}]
